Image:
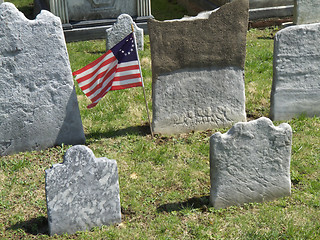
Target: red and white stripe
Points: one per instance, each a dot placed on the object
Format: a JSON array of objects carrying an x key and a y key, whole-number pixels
[{"x": 105, "y": 74}]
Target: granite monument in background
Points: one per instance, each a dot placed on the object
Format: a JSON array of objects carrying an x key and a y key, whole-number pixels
[
  {"x": 38, "y": 102},
  {"x": 198, "y": 70}
]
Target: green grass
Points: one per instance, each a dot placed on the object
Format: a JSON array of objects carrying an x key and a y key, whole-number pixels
[{"x": 164, "y": 182}]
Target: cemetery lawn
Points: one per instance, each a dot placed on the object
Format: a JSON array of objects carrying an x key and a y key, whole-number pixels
[{"x": 165, "y": 182}]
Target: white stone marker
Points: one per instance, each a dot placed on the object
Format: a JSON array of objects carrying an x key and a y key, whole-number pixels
[
  {"x": 306, "y": 11},
  {"x": 121, "y": 29},
  {"x": 82, "y": 192},
  {"x": 296, "y": 72},
  {"x": 250, "y": 163},
  {"x": 38, "y": 102}
]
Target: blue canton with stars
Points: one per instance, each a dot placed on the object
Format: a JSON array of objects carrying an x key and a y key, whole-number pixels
[{"x": 125, "y": 51}]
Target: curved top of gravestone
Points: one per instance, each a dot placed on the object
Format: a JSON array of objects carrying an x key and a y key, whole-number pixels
[
  {"x": 121, "y": 29},
  {"x": 253, "y": 129},
  {"x": 219, "y": 40},
  {"x": 79, "y": 155},
  {"x": 9, "y": 13}
]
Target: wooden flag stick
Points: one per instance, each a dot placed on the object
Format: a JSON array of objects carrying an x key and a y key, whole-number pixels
[{"x": 144, "y": 91}]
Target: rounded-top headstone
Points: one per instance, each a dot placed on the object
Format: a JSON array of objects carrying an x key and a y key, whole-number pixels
[
  {"x": 82, "y": 192},
  {"x": 250, "y": 163},
  {"x": 121, "y": 29}
]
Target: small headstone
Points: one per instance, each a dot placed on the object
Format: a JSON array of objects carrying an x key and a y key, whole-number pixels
[
  {"x": 121, "y": 29},
  {"x": 296, "y": 88},
  {"x": 198, "y": 70},
  {"x": 38, "y": 102},
  {"x": 306, "y": 11},
  {"x": 1, "y": 1},
  {"x": 250, "y": 163},
  {"x": 82, "y": 192}
]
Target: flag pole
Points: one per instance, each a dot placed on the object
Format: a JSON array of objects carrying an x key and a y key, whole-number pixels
[{"x": 144, "y": 91}]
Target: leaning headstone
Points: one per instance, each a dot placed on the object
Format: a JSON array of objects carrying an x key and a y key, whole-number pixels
[
  {"x": 121, "y": 29},
  {"x": 82, "y": 192},
  {"x": 250, "y": 163},
  {"x": 306, "y": 11},
  {"x": 198, "y": 70},
  {"x": 38, "y": 102},
  {"x": 296, "y": 88}
]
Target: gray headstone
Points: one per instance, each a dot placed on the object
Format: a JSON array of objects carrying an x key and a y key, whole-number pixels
[
  {"x": 1, "y": 1},
  {"x": 198, "y": 70},
  {"x": 306, "y": 11},
  {"x": 38, "y": 102},
  {"x": 250, "y": 163},
  {"x": 82, "y": 192},
  {"x": 121, "y": 29},
  {"x": 296, "y": 80}
]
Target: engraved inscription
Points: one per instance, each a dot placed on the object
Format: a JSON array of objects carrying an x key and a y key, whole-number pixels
[{"x": 218, "y": 115}]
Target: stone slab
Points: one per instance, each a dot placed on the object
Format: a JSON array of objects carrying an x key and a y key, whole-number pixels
[
  {"x": 198, "y": 67},
  {"x": 121, "y": 29},
  {"x": 38, "y": 102},
  {"x": 296, "y": 80},
  {"x": 201, "y": 99},
  {"x": 250, "y": 163},
  {"x": 82, "y": 192},
  {"x": 306, "y": 11}
]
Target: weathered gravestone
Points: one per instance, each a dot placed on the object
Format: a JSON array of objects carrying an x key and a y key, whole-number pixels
[
  {"x": 250, "y": 163},
  {"x": 306, "y": 11},
  {"x": 38, "y": 102},
  {"x": 121, "y": 29},
  {"x": 82, "y": 192},
  {"x": 198, "y": 70},
  {"x": 296, "y": 79},
  {"x": 1, "y": 1}
]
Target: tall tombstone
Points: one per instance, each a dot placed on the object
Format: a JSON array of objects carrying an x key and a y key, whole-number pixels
[
  {"x": 38, "y": 102},
  {"x": 296, "y": 72},
  {"x": 250, "y": 163},
  {"x": 306, "y": 11},
  {"x": 82, "y": 192},
  {"x": 198, "y": 70},
  {"x": 121, "y": 29}
]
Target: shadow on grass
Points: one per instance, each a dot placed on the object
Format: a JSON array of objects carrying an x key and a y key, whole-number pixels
[
  {"x": 143, "y": 130},
  {"x": 33, "y": 226},
  {"x": 194, "y": 203}
]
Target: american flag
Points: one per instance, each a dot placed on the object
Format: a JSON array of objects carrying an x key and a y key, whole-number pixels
[{"x": 116, "y": 69}]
